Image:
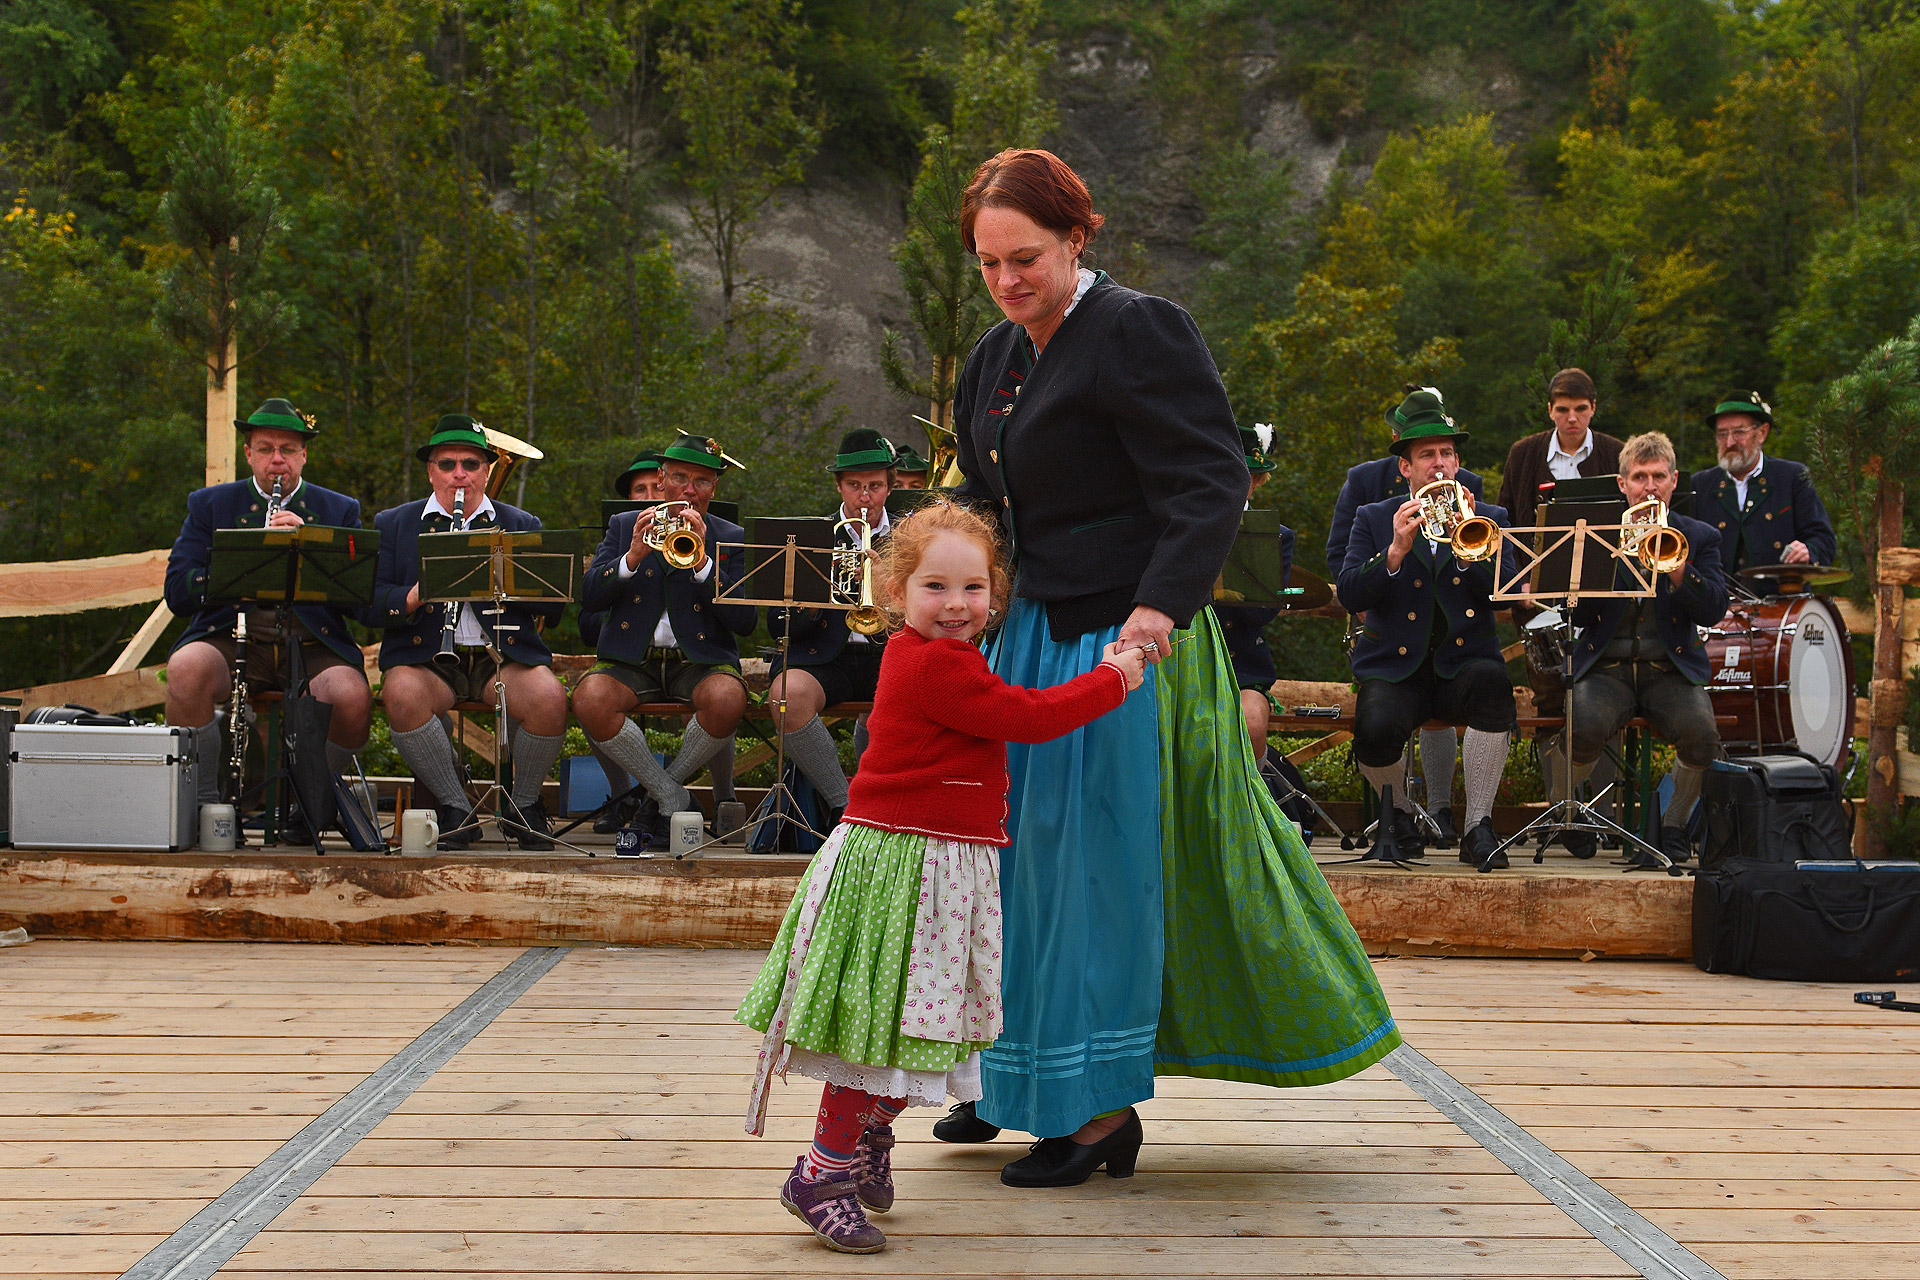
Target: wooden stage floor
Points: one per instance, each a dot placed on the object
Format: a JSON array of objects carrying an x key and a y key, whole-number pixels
[{"x": 592, "y": 1127}]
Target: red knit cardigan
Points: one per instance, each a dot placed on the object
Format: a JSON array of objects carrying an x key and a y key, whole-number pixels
[{"x": 936, "y": 757}]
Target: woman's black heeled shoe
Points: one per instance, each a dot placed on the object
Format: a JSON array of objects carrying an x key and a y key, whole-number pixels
[
  {"x": 962, "y": 1125},
  {"x": 1062, "y": 1162}
]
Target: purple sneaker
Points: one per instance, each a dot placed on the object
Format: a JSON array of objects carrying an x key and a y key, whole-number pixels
[
  {"x": 832, "y": 1209},
  {"x": 873, "y": 1168}
]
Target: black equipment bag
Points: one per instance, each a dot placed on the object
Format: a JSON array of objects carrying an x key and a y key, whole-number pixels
[
  {"x": 74, "y": 713},
  {"x": 1774, "y": 808},
  {"x": 1813, "y": 922},
  {"x": 767, "y": 833},
  {"x": 1288, "y": 786}
]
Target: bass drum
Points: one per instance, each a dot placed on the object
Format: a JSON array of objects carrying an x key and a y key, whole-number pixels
[{"x": 1783, "y": 669}]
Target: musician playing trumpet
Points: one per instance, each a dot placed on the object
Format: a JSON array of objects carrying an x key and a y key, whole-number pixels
[
  {"x": 429, "y": 666},
  {"x": 1645, "y": 657},
  {"x": 665, "y": 639},
  {"x": 1429, "y": 650},
  {"x": 200, "y": 668}
]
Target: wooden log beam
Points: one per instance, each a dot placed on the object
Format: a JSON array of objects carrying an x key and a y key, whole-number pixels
[
  {"x": 1894, "y": 567},
  {"x": 73, "y": 586},
  {"x": 1313, "y": 693},
  {"x": 724, "y": 902},
  {"x": 143, "y": 640}
]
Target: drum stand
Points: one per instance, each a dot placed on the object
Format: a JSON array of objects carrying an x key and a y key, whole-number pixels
[{"x": 1571, "y": 814}]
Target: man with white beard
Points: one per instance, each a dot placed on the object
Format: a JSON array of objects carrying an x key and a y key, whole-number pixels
[{"x": 1765, "y": 508}]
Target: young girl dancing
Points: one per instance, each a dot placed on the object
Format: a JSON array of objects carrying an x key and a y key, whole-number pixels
[{"x": 884, "y": 978}]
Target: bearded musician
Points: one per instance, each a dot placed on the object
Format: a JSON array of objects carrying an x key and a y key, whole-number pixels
[
  {"x": 200, "y": 668},
  {"x": 1765, "y": 509},
  {"x": 1428, "y": 650}
]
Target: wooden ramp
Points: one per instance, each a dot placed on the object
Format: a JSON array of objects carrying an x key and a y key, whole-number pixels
[{"x": 592, "y": 1127}]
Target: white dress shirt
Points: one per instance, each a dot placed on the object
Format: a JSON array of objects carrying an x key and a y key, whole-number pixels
[
  {"x": 1563, "y": 465},
  {"x": 467, "y": 630},
  {"x": 663, "y": 637},
  {"x": 1740, "y": 483}
]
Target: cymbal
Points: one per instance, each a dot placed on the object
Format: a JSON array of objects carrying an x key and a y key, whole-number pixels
[{"x": 1814, "y": 575}]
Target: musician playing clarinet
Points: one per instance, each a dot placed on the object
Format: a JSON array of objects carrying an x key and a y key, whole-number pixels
[
  {"x": 200, "y": 668},
  {"x": 427, "y": 668},
  {"x": 1429, "y": 650},
  {"x": 1765, "y": 508},
  {"x": 1377, "y": 481},
  {"x": 1645, "y": 657}
]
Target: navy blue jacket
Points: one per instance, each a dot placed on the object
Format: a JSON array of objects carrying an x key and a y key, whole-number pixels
[
  {"x": 1401, "y": 608},
  {"x": 1244, "y": 627},
  {"x": 1782, "y": 507},
  {"x": 704, "y": 630},
  {"x": 1366, "y": 484},
  {"x": 1700, "y": 602},
  {"x": 238, "y": 505},
  {"x": 412, "y": 640},
  {"x": 819, "y": 634}
]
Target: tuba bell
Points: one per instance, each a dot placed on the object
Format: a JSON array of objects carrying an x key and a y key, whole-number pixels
[
  {"x": 1646, "y": 534},
  {"x": 514, "y": 453},
  {"x": 853, "y": 577},
  {"x": 672, "y": 536},
  {"x": 1444, "y": 518}
]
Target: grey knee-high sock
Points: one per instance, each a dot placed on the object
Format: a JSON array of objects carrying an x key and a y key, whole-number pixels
[
  {"x": 1485, "y": 756},
  {"x": 1581, "y": 772},
  {"x": 207, "y": 761},
  {"x": 1687, "y": 782},
  {"x": 697, "y": 746},
  {"x": 812, "y": 750},
  {"x": 340, "y": 759},
  {"x": 533, "y": 757},
  {"x": 428, "y": 752},
  {"x": 629, "y": 749},
  {"x": 617, "y": 780},
  {"x": 1392, "y": 775},
  {"x": 1437, "y": 749},
  {"x": 720, "y": 769}
]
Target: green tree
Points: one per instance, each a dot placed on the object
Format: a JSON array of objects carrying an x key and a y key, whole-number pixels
[
  {"x": 998, "y": 101},
  {"x": 741, "y": 111},
  {"x": 1594, "y": 340},
  {"x": 1256, "y": 239}
]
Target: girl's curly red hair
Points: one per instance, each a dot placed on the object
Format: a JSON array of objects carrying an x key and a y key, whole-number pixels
[{"x": 908, "y": 542}]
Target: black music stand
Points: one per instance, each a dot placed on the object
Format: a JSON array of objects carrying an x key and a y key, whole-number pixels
[
  {"x": 1561, "y": 560},
  {"x": 277, "y": 569},
  {"x": 540, "y": 566}
]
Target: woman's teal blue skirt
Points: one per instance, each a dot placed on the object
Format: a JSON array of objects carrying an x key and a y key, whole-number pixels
[{"x": 1161, "y": 915}]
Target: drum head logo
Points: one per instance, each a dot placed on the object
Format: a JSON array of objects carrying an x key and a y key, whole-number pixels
[{"x": 1733, "y": 674}]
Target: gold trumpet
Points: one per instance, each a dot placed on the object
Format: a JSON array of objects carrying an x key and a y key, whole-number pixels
[
  {"x": 1645, "y": 533},
  {"x": 672, "y": 535},
  {"x": 1444, "y": 518},
  {"x": 853, "y": 577}
]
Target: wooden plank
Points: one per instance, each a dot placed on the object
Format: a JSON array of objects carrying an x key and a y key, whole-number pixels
[
  {"x": 1314, "y": 693},
  {"x": 142, "y": 640},
  {"x": 46, "y": 587},
  {"x": 123, "y": 691}
]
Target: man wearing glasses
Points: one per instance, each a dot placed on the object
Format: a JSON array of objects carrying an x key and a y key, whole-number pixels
[
  {"x": 418, "y": 690},
  {"x": 1765, "y": 508},
  {"x": 200, "y": 668},
  {"x": 664, "y": 638}
]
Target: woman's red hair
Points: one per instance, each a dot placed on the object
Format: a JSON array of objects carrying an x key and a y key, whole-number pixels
[{"x": 1037, "y": 183}]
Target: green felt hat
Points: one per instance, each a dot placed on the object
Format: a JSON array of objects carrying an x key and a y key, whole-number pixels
[
  {"x": 648, "y": 461},
  {"x": 1442, "y": 430},
  {"x": 1747, "y": 402},
  {"x": 456, "y": 428},
  {"x": 701, "y": 451},
  {"x": 905, "y": 459},
  {"x": 1255, "y": 441},
  {"x": 281, "y": 416},
  {"x": 1422, "y": 407},
  {"x": 863, "y": 449}
]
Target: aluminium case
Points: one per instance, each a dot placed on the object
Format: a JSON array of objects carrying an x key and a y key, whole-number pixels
[{"x": 109, "y": 787}]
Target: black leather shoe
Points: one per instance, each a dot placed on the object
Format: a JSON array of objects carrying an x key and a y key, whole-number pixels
[
  {"x": 1445, "y": 835},
  {"x": 457, "y": 828},
  {"x": 1581, "y": 844},
  {"x": 1062, "y": 1162},
  {"x": 1675, "y": 843},
  {"x": 1481, "y": 840},
  {"x": 961, "y": 1125},
  {"x": 531, "y": 830},
  {"x": 610, "y": 820}
]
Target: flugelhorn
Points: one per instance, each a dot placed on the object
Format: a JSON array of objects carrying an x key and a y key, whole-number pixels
[
  {"x": 672, "y": 535},
  {"x": 1646, "y": 534},
  {"x": 1444, "y": 518},
  {"x": 853, "y": 577}
]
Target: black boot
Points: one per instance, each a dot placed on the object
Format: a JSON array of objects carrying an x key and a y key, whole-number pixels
[
  {"x": 458, "y": 827},
  {"x": 962, "y": 1125},
  {"x": 530, "y": 829},
  {"x": 1445, "y": 834},
  {"x": 1481, "y": 840},
  {"x": 1062, "y": 1162}
]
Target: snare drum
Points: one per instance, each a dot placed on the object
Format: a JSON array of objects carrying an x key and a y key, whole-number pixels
[
  {"x": 1546, "y": 652},
  {"x": 1783, "y": 668}
]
